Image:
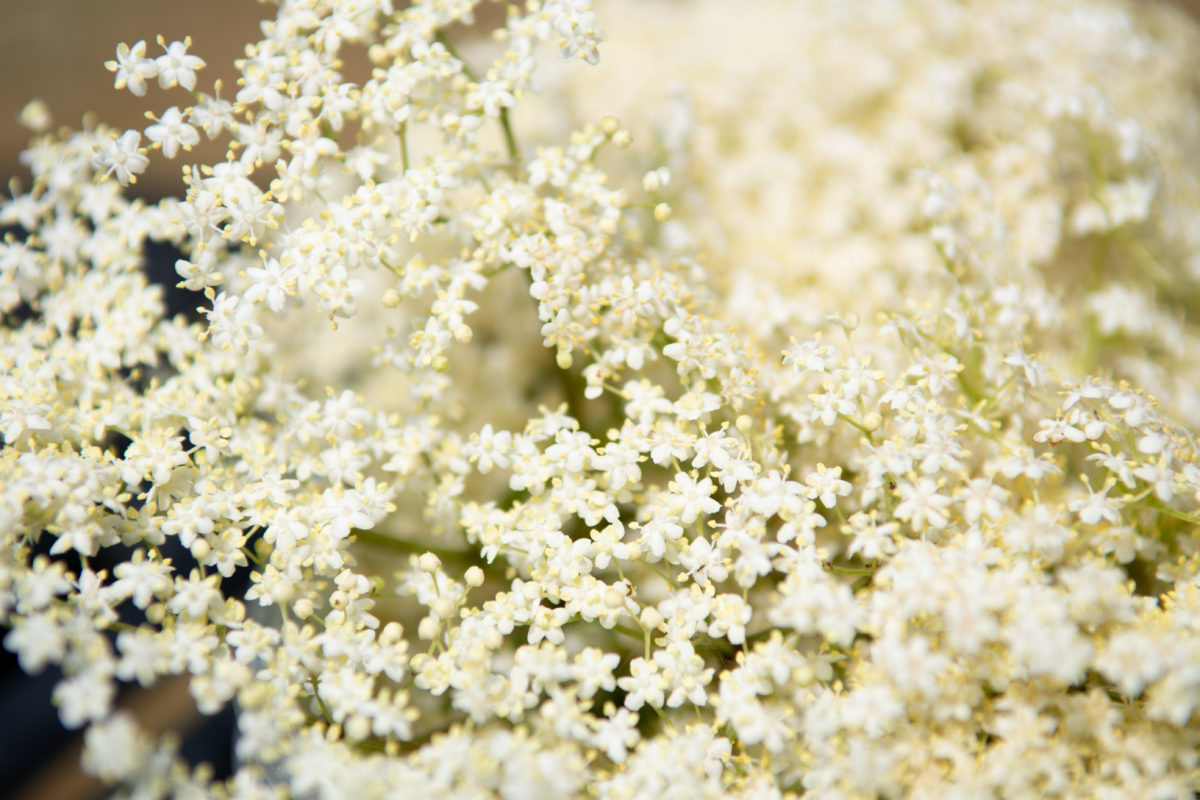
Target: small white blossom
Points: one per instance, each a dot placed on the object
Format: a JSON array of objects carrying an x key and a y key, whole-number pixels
[
  {"x": 122, "y": 157},
  {"x": 175, "y": 66},
  {"x": 171, "y": 132},
  {"x": 132, "y": 68}
]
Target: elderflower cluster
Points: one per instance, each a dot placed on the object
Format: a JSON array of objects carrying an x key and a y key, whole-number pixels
[{"x": 801, "y": 405}]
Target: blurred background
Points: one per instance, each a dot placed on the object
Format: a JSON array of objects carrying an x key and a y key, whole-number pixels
[{"x": 55, "y": 50}]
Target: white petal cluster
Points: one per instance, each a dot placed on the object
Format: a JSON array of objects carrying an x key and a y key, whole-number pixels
[{"x": 825, "y": 430}]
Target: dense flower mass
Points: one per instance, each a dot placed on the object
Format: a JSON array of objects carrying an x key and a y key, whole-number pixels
[{"x": 822, "y": 428}]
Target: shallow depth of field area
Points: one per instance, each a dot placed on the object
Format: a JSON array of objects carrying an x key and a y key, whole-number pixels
[{"x": 653, "y": 400}]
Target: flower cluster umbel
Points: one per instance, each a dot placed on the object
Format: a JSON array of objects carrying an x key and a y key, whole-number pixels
[{"x": 831, "y": 439}]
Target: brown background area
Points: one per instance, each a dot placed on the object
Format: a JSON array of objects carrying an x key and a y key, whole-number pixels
[{"x": 56, "y": 49}]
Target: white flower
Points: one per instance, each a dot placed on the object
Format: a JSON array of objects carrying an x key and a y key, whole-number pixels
[
  {"x": 1097, "y": 506},
  {"x": 272, "y": 283},
  {"x": 195, "y": 596},
  {"x": 686, "y": 672},
  {"x": 619, "y": 462},
  {"x": 143, "y": 657},
  {"x": 730, "y": 614},
  {"x": 122, "y": 156},
  {"x": 594, "y": 671},
  {"x": 982, "y": 499},
  {"x": 212, "y": 114},
  {"x": 84, "y": 698},
  {"x": 575, "y": 22},
  {"x": 175, "y": 66},
  {"x": 171, "y": 132},
  {"x": 911, "y": 663},
  {"x": 37, "y": 640},
  {"x": 826, "y": 484},
  {"x": 644, "y": 685},
  {"x": 132, "y": 68},
  {"x": 115, "y": 748},
  {"x": 697, "y": 405},
  {"x": 657, "y": 533},
  {"x": 922, "y": 504},
  {"x": 491, "y": 97},
  {"x": 489, "y": 449},
  {"x": 689, "y": 497},
  {"x": 872, "y": 540},
  {"x": 1031, "y": 369},
  {"x": 810, "y": 356},
  {"x": 615, "y": 733},
  {"x": 21, "y": 416},
  {"x": 35, "y": 115}
]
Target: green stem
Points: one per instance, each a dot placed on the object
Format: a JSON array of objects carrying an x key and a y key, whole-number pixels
[
  {"x": 404, "y": 145},
  {"x": 312, "y": 682},
  {"x": 377, "y": 539},
  {"x": 491, "y": 273},
  {"x": 972, "y": 394},
  {"x": 839, "y": 570},
  {"x": 572, "y": 394},
  {"x": 1194, "y": 519},
  {"x": 860, "y": 426},
  {"x": 1142, "y": 255},
  {"x": 510, "y": 141},
  {"x": 627, "y": 631},
  {"x": 441, "y": 37}
]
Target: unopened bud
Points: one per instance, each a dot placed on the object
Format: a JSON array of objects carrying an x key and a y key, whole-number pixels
[
  {"x": 428, "y": 628},
  {"x": 653, "y": 180},
  {"x": 358, "y": 728},
  {"x": 200, "y": 548},
  {"x": 474, "y": 577},
  {"x": 650, "y": 618}
]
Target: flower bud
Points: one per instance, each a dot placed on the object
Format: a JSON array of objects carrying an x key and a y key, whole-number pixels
[
  {"x": 200, "y": 548},
  {"x": 428, "y": 628},
  {"x": 443, "y": 608},
  {"x": 650, "y": 618}
]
